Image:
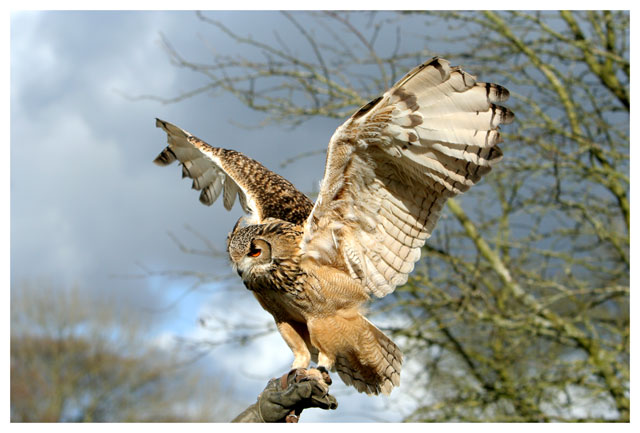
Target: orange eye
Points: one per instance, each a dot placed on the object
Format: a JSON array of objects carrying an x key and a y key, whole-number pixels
[{"x": 255, "y": 252}]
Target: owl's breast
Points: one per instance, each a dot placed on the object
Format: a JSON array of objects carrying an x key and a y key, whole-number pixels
[{"x": 282, "y": 293}]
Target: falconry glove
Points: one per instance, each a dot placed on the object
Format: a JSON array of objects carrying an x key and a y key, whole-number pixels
[{"x": 283, "y": 399}]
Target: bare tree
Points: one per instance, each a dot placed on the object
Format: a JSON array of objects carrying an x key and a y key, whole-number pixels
[
  {"x": 520, "y": 307},
  {"x": 75, "y": 358}
]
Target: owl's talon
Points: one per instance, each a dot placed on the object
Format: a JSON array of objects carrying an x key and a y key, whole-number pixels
[
  {"x": 325, "y": 375},
  {"x": 320, "y": 375},
  {"x": 299, "y": 375}
]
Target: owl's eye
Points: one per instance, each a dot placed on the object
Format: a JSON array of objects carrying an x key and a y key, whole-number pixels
[{"x": 254, "y": 252}]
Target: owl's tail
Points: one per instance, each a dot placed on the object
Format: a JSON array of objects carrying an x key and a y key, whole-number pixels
[{"x": 362, "y": 355}]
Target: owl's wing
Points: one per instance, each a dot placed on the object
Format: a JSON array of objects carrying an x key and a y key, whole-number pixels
[
  {"x": 262, "y": 193},
  {"x": 391, "y": 167}
]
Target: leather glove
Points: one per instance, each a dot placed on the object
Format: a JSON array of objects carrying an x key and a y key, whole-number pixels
[{"x": 284, "y": 399}]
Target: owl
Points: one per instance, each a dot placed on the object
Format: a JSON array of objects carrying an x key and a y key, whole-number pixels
[{"x": 389, "y": 170}]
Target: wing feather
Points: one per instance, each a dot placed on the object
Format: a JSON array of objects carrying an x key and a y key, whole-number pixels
[
  {"x": 216, "y": 171},
  {"x": 231, "y": 190},
  {"x": 210, "y": 193},
  {"x": 392, "y": 166}
]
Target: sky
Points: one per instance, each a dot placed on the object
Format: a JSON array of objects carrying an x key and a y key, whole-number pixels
[{"x": 88, "y": 206}]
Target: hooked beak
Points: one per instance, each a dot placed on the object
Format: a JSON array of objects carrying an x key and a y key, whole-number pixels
[{"x": 240, "y": 268}]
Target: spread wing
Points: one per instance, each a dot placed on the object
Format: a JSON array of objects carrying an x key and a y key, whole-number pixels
[
  {"x": 391, "y": 167},
  {"x": 262, "y": 193}
]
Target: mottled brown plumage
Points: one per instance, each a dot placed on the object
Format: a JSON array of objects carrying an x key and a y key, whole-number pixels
[
  {"x": 390, "y": 168},
  {"x": 214, "y": 169}
]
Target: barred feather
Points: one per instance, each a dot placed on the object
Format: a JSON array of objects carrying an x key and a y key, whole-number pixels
[
  {"x": 430, "y": 137},
  {"x": 217, "y": 171},
  {"x": 390, "y": 169}
]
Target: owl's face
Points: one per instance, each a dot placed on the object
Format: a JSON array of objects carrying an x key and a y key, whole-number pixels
[
  {"x": 250, "y": 251},
  {"x": 259, "y": 253},
  {"x": 256, "y": 259}
]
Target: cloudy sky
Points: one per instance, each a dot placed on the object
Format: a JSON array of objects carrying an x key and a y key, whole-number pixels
[
  {"x": 87, "y": 204},
  {"x": 88, "y": 207}
]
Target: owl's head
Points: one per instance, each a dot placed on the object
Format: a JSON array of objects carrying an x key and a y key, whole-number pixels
[
  {"x": 249, "y": 247},
  {"x": 256, "y": 250}
]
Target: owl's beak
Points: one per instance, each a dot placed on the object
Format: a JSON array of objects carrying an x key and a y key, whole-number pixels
[{"x": 240, "y": 267}]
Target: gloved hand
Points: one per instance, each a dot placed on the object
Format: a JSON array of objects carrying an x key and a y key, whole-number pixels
[{"x": 276, "y": 404}]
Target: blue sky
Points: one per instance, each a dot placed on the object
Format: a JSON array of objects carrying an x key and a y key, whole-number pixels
[{"x": 88, "y": 207}]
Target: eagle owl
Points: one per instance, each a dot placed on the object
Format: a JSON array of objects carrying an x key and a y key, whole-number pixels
[{"x": 389, "y": 170}]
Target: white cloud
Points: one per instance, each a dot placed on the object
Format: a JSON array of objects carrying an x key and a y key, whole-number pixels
[
  {"x": 86, "y": 201},
  {"x": 250, "y": 366}
]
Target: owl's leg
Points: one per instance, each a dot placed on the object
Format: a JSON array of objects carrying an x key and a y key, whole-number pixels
[
  {"x": 296, "y": 335},
  {"x": 295, "y": 341},
  {"x": 325, "y": 363}
]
